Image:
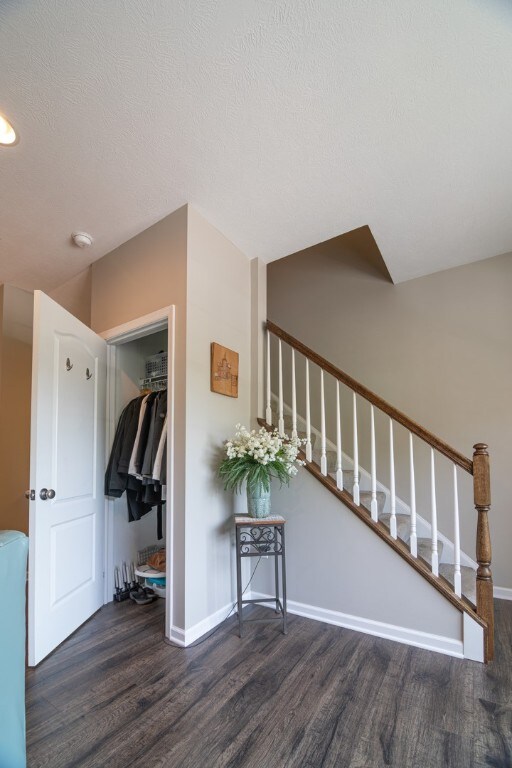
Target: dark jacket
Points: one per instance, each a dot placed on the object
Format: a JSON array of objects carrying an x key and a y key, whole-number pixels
[
  {"x": 140, "y": 498},
  {"x": 115, "y": 479}
]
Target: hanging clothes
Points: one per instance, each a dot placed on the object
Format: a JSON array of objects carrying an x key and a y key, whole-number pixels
[
  {"x": 143, "y": 408},
  {"x": 140, "y": 446},
  {"x": 139, "y": 440},
  {"x": 116, "y": 476},
  {"x": 159, "y": 412},
  {"x": 157, "y": 466}
]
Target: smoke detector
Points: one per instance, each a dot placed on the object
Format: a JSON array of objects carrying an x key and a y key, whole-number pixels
[{"x": 81, "y": 239}]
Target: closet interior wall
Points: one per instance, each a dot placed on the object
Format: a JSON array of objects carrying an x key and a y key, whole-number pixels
[{"x": 129, "y": 538}]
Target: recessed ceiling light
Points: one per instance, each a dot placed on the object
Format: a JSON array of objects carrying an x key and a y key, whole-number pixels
[{"x": 7, "y": 133}]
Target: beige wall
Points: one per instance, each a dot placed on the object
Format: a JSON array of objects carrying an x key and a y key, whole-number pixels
[
  {"x": 145, "y": 274},
  {"x": 438, "y": 348},
  {"x": 16, "y": 319},
  {"x": 2, "y": 287},
  {"x": 75, "y": 296},
  {"x": 183, "y": 260},
  {"x": 15, "y": 396},
  {"x": 218, "y": 309}
]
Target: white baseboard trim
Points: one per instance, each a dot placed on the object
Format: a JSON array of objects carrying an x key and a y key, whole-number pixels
[
  {"x": 419, "y": 639},
  {"x": 185, "y": 637},
  {"x": 503, "y": 593},
  {"x": 177, "y": 636}
]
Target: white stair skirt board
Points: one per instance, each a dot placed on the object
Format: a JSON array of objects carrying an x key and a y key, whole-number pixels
[
  {"x": 429, "y": 642},
  {"x": 473, "y": 635},
  {"x": 185, "y": 637},
  {"x": 402, "y": 508},
  {"x": 502, "y": 593}
]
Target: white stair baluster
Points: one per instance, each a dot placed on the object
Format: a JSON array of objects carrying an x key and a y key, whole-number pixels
[
  {"x": 457, "y": 583},
  {"x": 268, "y": 412},
  {"x": 339, "y": 467},
  {"x": 280, "y": 424},
  {"x": 435, "y": 554},
  {"x": 309, "y": 452},
  {"x": 373, "y": 505},
  {"x": 323, "y": 459},
  {"x": 392, "y": 519},
  {"x": 413, "y": 541},
  {"x": 355, "y": 490},
  {"x": 294, "y": 397}
]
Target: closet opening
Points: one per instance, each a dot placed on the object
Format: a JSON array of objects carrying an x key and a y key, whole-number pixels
[{"x": 140, "y": 372}]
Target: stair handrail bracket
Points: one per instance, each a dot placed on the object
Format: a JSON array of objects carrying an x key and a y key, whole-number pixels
[{"x": 478, "y": 467}]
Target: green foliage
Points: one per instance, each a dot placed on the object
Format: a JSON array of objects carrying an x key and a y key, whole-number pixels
[{"x": 234, "y": 471}]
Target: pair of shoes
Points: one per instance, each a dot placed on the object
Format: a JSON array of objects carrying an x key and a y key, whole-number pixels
[{"x": 142, "y": 596}]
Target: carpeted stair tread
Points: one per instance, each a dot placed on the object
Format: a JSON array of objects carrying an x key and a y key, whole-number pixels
[
  {"x": 403, "y": 525},
  {"x": 332, "y": 459},
  {"x": 288, "y": 425},
  {"x": 304, "y": 436},
  {"x": 348, "y": 478},
  {"x": 332, "y": 463},
  {"x": 468, "y": 579},
  {"x": 287, "y": 418},
  {"x": 366, "y": 500},
  {"x": 425, "y": 549}
]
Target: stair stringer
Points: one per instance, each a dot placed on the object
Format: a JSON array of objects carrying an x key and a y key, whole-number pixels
[
  {"x": 362, "y": 586},
  {"x": 424, "y": 528}
]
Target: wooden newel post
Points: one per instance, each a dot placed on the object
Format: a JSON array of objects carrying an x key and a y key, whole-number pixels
[{"x": 484, "y": 587}]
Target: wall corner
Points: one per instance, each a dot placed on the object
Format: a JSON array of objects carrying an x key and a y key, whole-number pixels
[{"x": 258, "y": 319}]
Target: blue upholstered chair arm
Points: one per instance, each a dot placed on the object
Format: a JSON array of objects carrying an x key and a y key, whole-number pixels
[{"x": 13, "y": 572}]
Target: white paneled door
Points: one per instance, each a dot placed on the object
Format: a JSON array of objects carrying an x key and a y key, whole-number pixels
[{"x": 67, "y": 464}]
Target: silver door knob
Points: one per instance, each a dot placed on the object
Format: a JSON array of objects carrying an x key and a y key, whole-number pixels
[
  {"x": 30, "y": 495},
  {"x": 46, "y": 493}
]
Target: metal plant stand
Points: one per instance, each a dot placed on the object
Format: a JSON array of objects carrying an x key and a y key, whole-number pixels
[{"x": 261, "y": 538}]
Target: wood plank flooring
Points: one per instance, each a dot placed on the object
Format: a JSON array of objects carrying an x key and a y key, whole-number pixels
[{"x": 116, "y": 696}]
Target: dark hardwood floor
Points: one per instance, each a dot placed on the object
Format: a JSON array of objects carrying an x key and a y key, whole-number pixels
[{"x": 115, "y": 695}]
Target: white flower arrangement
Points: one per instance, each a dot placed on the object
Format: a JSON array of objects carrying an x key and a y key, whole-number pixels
[{"x": 257, "y": 456}]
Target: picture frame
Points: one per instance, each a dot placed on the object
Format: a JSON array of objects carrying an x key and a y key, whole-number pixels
[{"x": 224, "y": 370}]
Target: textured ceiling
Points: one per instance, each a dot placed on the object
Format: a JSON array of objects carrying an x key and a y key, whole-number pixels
[{"x": 286, "y": 122}]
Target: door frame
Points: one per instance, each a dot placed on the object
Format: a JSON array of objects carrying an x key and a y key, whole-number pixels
[{"x": 136, "y": 329}]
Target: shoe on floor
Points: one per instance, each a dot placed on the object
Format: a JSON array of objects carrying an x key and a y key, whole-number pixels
[{"x": 142, "y": 596}]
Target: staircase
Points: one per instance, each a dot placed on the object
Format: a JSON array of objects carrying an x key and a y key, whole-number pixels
[{"x": 464, "y": 582}]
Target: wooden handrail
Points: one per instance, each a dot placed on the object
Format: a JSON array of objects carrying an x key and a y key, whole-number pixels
[{"x": 435, "y": 442}]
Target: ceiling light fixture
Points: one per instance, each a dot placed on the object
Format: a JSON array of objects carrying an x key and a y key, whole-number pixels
[{"x": 8, "y": 135}]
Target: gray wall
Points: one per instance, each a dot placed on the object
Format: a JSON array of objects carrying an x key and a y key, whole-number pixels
[
  {"x": 335, "y": 561},
  {"x": 438, "y": 348}
]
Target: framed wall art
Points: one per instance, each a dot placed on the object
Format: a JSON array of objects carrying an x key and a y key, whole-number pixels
[{"x": 224, "y": 370}]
